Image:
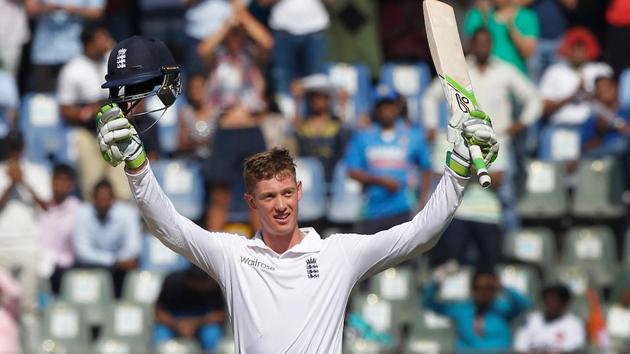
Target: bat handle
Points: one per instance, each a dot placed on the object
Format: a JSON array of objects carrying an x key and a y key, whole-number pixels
[{"x": 480, "y": 166}]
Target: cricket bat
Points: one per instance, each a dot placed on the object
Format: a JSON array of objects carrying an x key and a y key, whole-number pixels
[{"x": 450, "y": 64}]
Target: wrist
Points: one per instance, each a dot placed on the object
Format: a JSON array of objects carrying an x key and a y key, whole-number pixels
[
  {"x": 136, "y": 162},
  {"x": 456, "y": 163}
]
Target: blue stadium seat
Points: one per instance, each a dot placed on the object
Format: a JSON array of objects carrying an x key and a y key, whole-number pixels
[
  {"x": 44, "y": 132},
  {"x": 409, "y": 80},
  {"x": 559, "y": 143},
  {"x": 624, "y": 89},
  {"x": 355, "y": 79},
  {"x": 311, "y": 173},
  {"x": 346, "y": 200},
  {"x": 158, "y": 258},
  {"x": 183, "y": 184}
]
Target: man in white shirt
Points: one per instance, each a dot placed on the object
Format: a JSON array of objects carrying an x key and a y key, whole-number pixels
[
  {"x": 553, "y": 330},
  {"x": 286, "y": 289}
]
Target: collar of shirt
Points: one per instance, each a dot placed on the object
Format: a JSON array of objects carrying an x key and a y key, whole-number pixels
[{"x": 311, "y": 242}]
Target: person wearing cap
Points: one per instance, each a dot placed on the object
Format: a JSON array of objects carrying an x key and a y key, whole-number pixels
[
  {"x": 286, "y": 289},
  {"x": 321, "y": 132},
  {"x": 382, "y": 159},
  {"x": 554, "y": 329}
]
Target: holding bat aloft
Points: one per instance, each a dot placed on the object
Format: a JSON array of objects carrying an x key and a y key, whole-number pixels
[{"x": 286, "y": 288}]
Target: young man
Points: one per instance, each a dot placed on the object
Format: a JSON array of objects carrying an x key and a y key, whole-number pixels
[{"x": 286, "y": 289}]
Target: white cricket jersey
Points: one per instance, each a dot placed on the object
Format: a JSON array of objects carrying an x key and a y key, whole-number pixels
[{"x": 292, "y": 302}]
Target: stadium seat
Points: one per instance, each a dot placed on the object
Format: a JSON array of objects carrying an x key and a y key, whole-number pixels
[
  {"x": 64, "y": 330},
  {"x": 543, "y": 196},
  {"x": 618, "y": 328},
  {"x": 91, "y": 290},
  {"x": 310, "y": 172},
  {"x": 142, "y": 287},
  {"x": 355, "y": 80},
  {"x": 622, "y": 282},
  {"x": 113, "y": 346},
  {"x": 167, "y": 124},
  {"x": 522, "y": 278},
  {"x": 560, "y": 143},
  {"x": 624, "y": 89},
  {"x": 593, "y": 249},
  {"x": 178, "y": 346},
  {"x": 409, "y": 80},
  {"x": 577, "y": 280},
  {"x": 456, "y": 286},
  {"x": 534, "y": 245},
  {"x": 346, "y": 198},
  {"x": 183, "y": 184},
  {"x": 430, "y": 333},
  {"x": 398, "y": 287},
  {"x": 131, "y": 324},
  {"x": 45, "y": 135},
  {"x": 599, "y": 188},
  {"x": 382, "y": 317},
  {"x": 159, "y": 258}
]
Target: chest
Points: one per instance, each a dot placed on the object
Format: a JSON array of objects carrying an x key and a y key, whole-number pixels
[{"x": 389, "y": 154}]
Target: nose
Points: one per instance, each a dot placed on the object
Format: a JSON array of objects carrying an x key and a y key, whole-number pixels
[{"x": 280, "y": 205}]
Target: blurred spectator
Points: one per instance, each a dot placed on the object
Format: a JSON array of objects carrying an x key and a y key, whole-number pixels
[
  {"x": 24, "y": 188},
  {"x": 483, "y": 322},
  {"x": 554, "y": 329},
  {"x": 382, "y": 159},
  {"x": 57, "y": 224},
  {"x": 9, "y": 104},
  {"x": 624, "y": 296},
  {"x": 81, "y": 96},
  {"x": 234, "y": 76},
  {"x": 321, "y": 133},
  {"x": 618, "y": 35},
  {"x": 553, "y": 20},
  {"x": 57, "y": 37},
  {"x": 197, "y": 119},
  {"x": 299, "y": 34},
  {"x": 606, "y": 131},
  {"x": 190, "y": 305},
  {"x": 10, "y": 293},
  {"x": 107, "y": 234},
  {"x": 514, "y": 30},
  {"x": 565, "y": 86},
  {"x": 14, "y": 33},
  {"x": 353, "y": 33},
  {"x": 402, "y": 32}
]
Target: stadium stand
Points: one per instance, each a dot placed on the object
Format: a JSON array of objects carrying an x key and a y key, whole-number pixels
[
  {"x": 158, "y": 258},
  {"x": 346, "y": 199},
  {"x": 183, "y": 184},
  {"x": 598, "y": 193},
  {"x": 543, "y": 196},
  {"x": 594, "y": 250},
  {"x": 310, "y": 171},
  {"x": 355, "y": 80},
  {"x": 534, "y": 245},
  {"x": 64, "y": 330},
  {"x": 90, "y": 290},
  {"x": 409, "y": 80}
]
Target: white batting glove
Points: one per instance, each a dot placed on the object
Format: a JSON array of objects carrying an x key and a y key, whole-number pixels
[
  {"x": 476, "y": 129},
  {"x": 117, "y": 138}
]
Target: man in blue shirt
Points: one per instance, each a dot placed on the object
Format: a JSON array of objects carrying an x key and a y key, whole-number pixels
[
  {"x": 482, "y": 322},
  {"x": 382, "y": 159}
]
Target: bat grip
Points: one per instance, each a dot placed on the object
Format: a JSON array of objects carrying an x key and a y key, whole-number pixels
[{"x": 480, "y": 166}]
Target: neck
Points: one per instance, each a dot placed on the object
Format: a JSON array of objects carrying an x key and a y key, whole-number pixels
[
  {"x": 281, "y": 243},
  {"x": 93, "y": 56}
]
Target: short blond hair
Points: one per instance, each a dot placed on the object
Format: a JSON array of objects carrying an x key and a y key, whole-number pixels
[{"x": 266, "y": 165}]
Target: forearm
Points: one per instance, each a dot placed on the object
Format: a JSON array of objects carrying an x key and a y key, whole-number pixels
[
  {"x": 425, "y": 187},
  {"x": 85, "y": 12},
  {"x": 4, "y": 198},
  {"x": 206, "y": 48},
  {"x": 365, "y": 178},
  {"x": 551, "y": 107},
  {"x": 213, "y": 317},
  {"x": 257, "y": 31},
  {"x": 526, "y": 46},
  {"x": 164, "y": 317}
]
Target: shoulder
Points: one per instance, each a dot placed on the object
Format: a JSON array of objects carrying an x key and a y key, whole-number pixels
[{"x": 572, "y": 319}]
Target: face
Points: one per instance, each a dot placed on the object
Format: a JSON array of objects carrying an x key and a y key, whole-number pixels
[
  {"x": 625, "y": 298},
  {"x": 501, "y": 3},
  {"x": 387, "y": 112},
  {"x": 196, "y": 90},
  {"x": 62, "y": 186},
  {"x": 480, "y": 46},
  {"x": 485, "y": 289},
  {"x": 103, "y": 200},
  {"x": 553, "y": 306},
  {"x": 606, "y": 91},
  {"x": 275, "y": 201},
  {"x": 578, "y": 54},
  {"x": 102, "y": 42},
  {"x": 235, "y": 41},
  {"x": 319, "y": 102}
]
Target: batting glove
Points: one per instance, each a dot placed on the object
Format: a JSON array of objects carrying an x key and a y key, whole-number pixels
[
  {"x": 118, "y": 139},
  {"x": 475, "y": 130}
]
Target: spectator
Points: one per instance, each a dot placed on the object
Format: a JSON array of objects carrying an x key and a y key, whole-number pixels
[
  {"x": 483, "y": 322},
  {"x": 321, "y": 134},
  {"x": 624, "y": 296},
  {"x": 565, "y": 86},
  {"x": 9, "y": 102},
  {"x": 381, "y": 158},
  {"x": 24, "y": 188},
  {"x": 402, "y": 32},
  {"x": 107, "y": 235},
  {"x": 554, "y": 329},
  {"x": 197, "y": 119},
  {"x": 514, "y": 30},
  {"x": 14, "y": 33},
  {"x": 57, "y": 223},
  {"x": 10, "y": 293},
  {"x": 80, "y": 96},
  {"x": 57, "y": 37},
  {"x": 618, "y": 35},
  {"x": 190, "y": 305}
]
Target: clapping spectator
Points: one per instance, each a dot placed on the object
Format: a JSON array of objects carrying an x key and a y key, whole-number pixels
[
  {"x": 190, "y": 305},
  {"x": 197, "y": 119},
  {"x": 482, "y": 322},
  {"x": 321, "y": 133},
  {"x": 57, "y": 36},
  {"x": 554, "y": 329},
  {"x": 566, "y": 86},
  {"x": 514, "y": 30},
  {"x": 57, "y": 224},
  {"x": 107, "y": 235},
  {"x": 10, "y": 293}
]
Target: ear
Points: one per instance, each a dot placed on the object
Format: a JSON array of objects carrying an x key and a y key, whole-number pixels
[
  {"x": 299, "y": 190},
  {"x": 249, "y": 199}
]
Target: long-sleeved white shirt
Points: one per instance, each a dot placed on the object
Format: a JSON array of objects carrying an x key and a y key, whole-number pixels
[
  {"x": 565, "y": 334},
  {"x": 292, "y": 302}
]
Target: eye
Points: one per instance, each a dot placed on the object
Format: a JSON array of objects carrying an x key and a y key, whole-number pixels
[{"x": 288, "y": 193}]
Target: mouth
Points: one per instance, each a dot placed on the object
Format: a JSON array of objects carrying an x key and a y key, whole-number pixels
[{"x": 282, "y": 218}]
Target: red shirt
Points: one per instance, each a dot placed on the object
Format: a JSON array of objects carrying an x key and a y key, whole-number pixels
[{"x": 618, "y": 13}]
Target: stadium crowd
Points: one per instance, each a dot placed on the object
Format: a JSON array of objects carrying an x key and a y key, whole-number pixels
[{"x": 538, "y": 263}]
